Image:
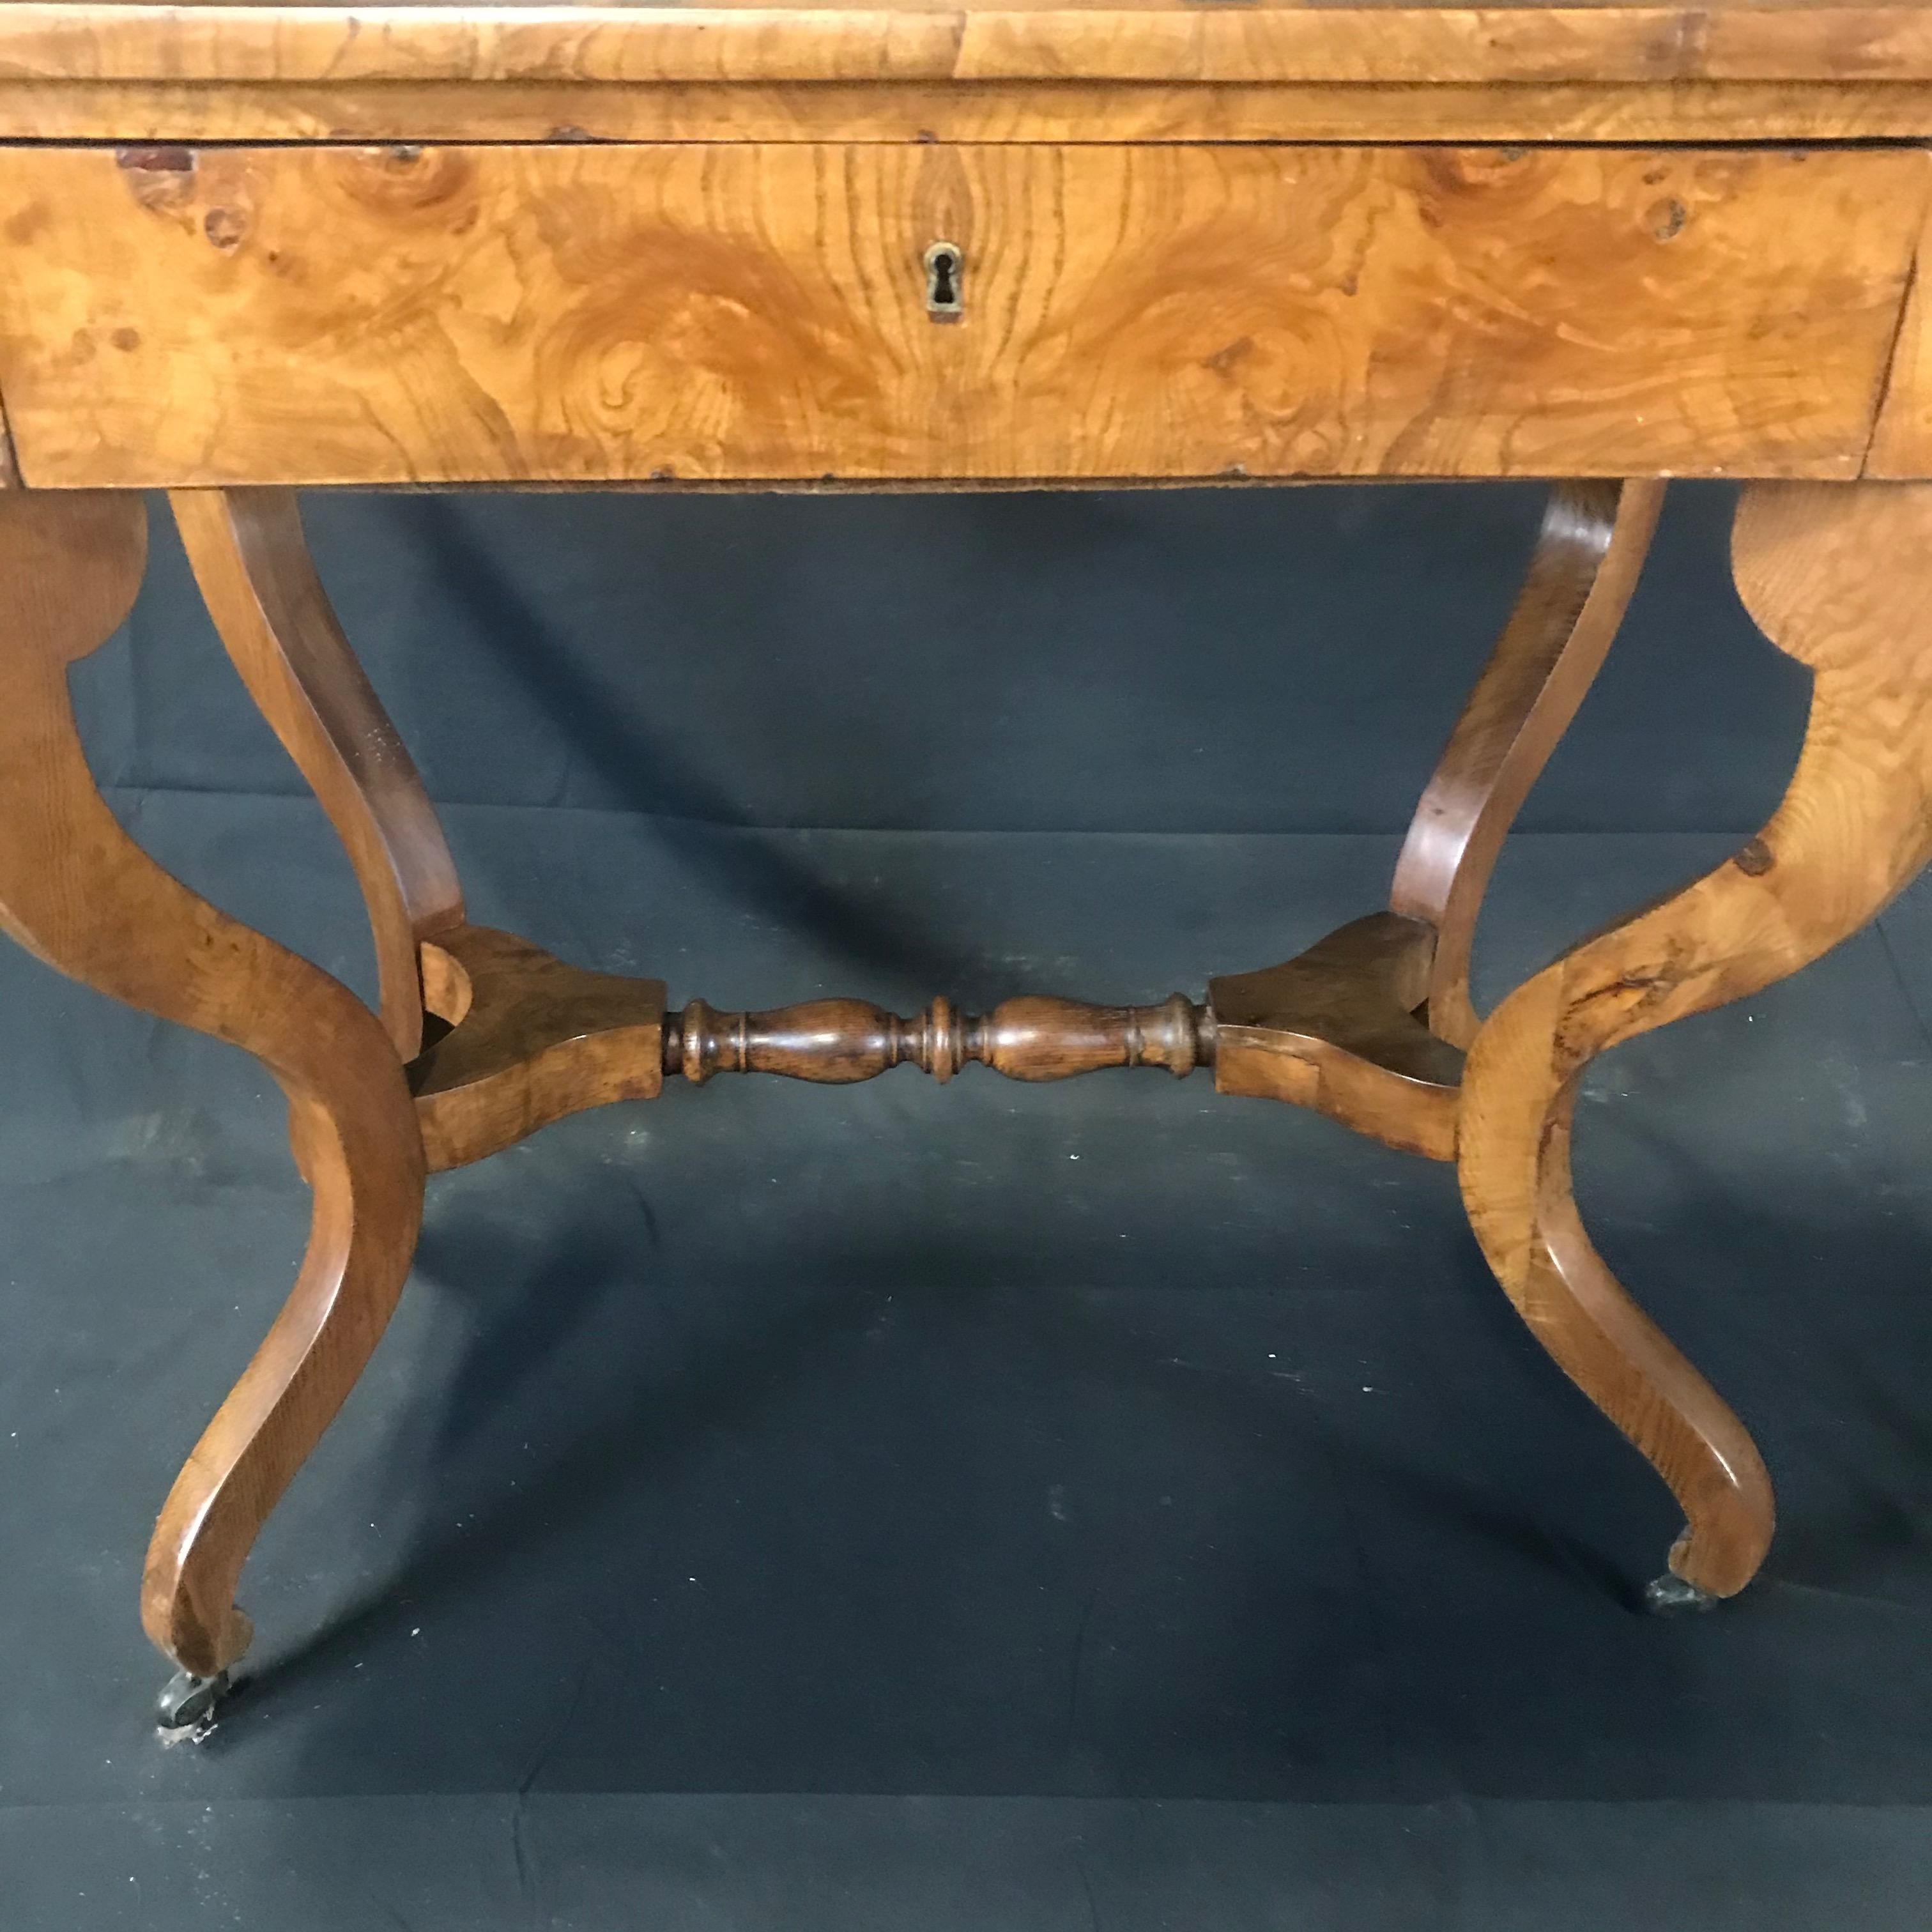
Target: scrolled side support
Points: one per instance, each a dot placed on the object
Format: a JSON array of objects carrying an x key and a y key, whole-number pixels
[
  {"x": 1839, "y": 577},
  {"x": 76, "y": 891},
  {"x": 252, "y": 562},
  {"x": 1591, "y": 549}
]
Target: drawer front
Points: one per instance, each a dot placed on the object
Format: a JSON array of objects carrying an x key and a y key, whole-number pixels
[{"x": 588, "y": 313}]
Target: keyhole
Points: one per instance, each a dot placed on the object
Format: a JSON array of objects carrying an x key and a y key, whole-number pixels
[{"x": 943, "y": 301}]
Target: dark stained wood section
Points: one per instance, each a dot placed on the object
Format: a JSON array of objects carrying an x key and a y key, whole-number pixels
[
  {"x": 524, "y": 1040},
  {"x": 835, "y": 1041},
  {"x": 1594, "y": 541},
  {"x": 1336, "y": 1029},
  {"x": 252, "y": 563}
]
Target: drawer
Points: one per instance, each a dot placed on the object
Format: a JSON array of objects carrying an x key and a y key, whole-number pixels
[{"x": 590, "y": 313}]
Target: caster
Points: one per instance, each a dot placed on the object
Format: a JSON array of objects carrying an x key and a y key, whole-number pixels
[
  {"x": 187, "y": 1705},
  {"x": 1670, "y": 1596}
]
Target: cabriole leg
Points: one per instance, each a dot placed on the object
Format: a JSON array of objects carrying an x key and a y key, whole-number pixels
[
  {"x": 77, "y": 891},
  {"x": 1839, "y": 577}
]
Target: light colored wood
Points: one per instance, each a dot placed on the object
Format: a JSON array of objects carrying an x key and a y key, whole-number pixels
[
  {"x": 77, "y": 891},
  {"x": 1432, "y": 44},
  {"x": 592, "y": 314},
  {"x": 1841, "y": 579},
  {"x": 972, "y": 40},
  {"x": 532, "y": 1040},
  {"x": 1901, "y": 445},
  {"x": 259, "y": 582},
  {"x": 1068, "y": 111},
  {"x": 1335, "y": 1030},
  {"x": 1592, "y": 544}
]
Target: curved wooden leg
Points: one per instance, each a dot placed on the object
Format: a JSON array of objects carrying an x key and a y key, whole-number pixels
[
  {"x": 1368, "y": 1025},
  {"x": 252, "y": 563},
  {"x": 77, "y": 891},
  {"x": 1840, "y": 576},
  {"x": 1591, "y": 547},
  {"x": 499, "y": 1037}
]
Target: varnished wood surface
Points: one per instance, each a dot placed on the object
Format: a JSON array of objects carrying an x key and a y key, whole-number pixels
[
  {"x": 256, "y": 578},
  {"x": 589, "y": 313},
  {"x": 76, "y": 891},
  {"x": 684, "y": 246},
  {"x": 974, "y": 40},
  {"x": 1064, "y": 112},
  {"x": 1034, "y": 1037},
  {"x": 1841, "y": 579},
  {"x": 1335, "y": 1029},
  {"x": 531, "y": 1040},
  {"x": 1902, "y": 438},
  {"x": 1593, "y": 542},
  {"x": 518, "y": 1039}
]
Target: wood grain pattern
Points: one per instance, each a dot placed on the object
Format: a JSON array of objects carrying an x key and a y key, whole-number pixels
[
  {"x": 1335, "y": 1030},
  {"x": 598, "y": 314},
  {"x": 1901, "y": 445},
  {"x": 974, "y": 39},
  {"x": 1592, "y": 547},
  {"x": 1158, "y": 284},
  {"x": 77, "y": 891},
  {"x": 1035, "y": 1037},
  {"x": 1069, "y": 112},
  {"x": 1841, "y": 579},
  {"x": 531, "y": 1040},
  {"x": 256, "y": 578}
]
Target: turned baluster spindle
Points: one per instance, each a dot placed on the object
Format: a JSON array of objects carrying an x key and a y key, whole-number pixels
[
  {"x": 1046, "y": 1039},
  {"x": 837, "y": 1041},
  {"x": 830, "y": 1041}
]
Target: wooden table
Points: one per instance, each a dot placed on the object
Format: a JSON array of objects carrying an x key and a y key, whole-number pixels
[{"x": 922, "y": 243}]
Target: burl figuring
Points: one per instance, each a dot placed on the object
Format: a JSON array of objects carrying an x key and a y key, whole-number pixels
[{"x": 960, "y": 244}]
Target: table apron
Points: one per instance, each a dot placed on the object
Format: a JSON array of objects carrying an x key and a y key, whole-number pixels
[{"x": 751, "y": 313}]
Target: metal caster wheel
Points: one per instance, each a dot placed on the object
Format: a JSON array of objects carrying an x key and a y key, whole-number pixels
[
  {"x": 188, "y": 1705},
  {"x": 1670, "y": 1596}
]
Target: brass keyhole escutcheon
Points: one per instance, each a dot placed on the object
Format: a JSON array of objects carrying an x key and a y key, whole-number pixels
[{"x": 945, "y": 271}]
